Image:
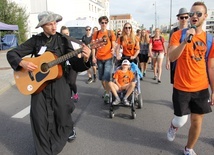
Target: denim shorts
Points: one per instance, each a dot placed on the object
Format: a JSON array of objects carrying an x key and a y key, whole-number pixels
[{"x": 105, "y": 69}]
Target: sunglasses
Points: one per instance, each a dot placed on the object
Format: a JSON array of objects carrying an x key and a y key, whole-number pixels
[
  {"x": 104, "y": 22},
  {"x": 128, "y": 28},
  {"x": 198, "y": 14},
  {"x": 183, "y": 17},
  {"x": 88, "y": 29}
]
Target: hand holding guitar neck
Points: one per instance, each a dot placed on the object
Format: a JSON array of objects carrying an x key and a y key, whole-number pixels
[{"x": 189, "y": 38}]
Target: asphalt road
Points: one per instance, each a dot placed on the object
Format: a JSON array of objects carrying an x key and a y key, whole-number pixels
[{"x": 97, "y": 134}]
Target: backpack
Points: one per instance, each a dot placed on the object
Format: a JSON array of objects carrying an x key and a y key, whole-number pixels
[
  {"x": 172, "y": 69},
  {"x": 209, "y": 41},
  {"x": 161, "y": 39}
]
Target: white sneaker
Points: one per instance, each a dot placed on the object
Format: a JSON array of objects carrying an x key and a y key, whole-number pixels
[
  {"x": 171, "y": 133},
  {"x": 126, "y": 102},
  {"x": 116, "y": 102},
  {"x": 189, "y": 152}
]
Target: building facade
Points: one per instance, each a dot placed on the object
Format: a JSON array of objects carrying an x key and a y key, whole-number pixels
[
  {"x": 117, "y": 21},
  {"x": 69, "y": 9},
  {"x": 210, "y": 21}
]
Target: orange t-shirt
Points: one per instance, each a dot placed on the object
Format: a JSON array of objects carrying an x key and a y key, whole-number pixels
[
  {"x": 138, "y": 38},
  {"x": 123, "y": 77},
  {"x": 129, "y": 48},
  {"x": 104, "y": 53},
  {"x": 190, "y": 72}
]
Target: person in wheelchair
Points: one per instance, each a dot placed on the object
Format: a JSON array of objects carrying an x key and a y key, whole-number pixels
[{"x": 124, "y": 80}]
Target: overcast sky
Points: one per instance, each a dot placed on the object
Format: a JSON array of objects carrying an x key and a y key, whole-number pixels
[{"x": 143, "y": 11}]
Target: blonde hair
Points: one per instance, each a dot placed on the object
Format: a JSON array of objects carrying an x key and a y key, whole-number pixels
[
  {"x": 144, "y": 39},
  {"x": 132, "y": 34}
]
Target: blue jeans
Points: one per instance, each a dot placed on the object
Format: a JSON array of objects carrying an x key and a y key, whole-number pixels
[{"x": 105, "y": 69}]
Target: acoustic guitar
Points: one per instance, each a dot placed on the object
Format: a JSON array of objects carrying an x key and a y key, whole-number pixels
[{"x": 49, "y": 68}]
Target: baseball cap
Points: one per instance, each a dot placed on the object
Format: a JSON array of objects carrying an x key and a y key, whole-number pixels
[{"x": 125, "y": 62}]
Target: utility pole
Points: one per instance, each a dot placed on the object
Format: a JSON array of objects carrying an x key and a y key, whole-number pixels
[
  {"x": 170, "y": 13},
  {"x": 155, "y": 15}
]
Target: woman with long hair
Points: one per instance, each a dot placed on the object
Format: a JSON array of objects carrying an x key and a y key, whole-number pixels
[
  {"x": 129, "y": 43},
  {"x": 144, "y": 51},
  {"x": 157, "y": 52}
]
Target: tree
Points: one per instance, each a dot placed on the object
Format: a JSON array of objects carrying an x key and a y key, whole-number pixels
[{"x": 11, "y": 13}]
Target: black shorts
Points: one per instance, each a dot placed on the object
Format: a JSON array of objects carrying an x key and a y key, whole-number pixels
[
  {"x": 191, "y": 102},
  {"x": 143, "y": 58}
]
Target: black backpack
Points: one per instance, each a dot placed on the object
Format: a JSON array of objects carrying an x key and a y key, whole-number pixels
[{"x": 172, "y": 68}]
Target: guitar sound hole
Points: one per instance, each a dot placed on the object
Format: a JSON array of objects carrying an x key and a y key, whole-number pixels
[{"x": 44, "y": 67}]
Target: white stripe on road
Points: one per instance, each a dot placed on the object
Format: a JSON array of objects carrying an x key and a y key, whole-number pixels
[
  {"x": 83, "y": 73},
  {"x": 22, "y": 113},
  {"x": 26, "y": 111}
]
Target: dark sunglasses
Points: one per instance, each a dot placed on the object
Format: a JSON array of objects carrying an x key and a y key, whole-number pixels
[
  {"x": 198, "y": 13},
  {"x": 128, "y": 28},
  {"x": 183, "y": 17},
  {"x": 88, "y": 29},
  {"x": 119, "y": 34},
  {"x": 104, "y": 22}
]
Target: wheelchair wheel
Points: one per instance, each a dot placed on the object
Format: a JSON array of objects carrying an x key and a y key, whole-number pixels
[
  {"x": 140, "y": 101},
  {"x": 111, "y": 114},
  {"x": 134, "y": 114}
]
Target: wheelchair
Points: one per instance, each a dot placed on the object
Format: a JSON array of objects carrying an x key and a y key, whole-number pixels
[{"x": 135, "y": 99}]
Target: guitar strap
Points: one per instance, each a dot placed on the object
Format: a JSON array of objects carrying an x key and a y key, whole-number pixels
[{"x": 38, "y": 44}]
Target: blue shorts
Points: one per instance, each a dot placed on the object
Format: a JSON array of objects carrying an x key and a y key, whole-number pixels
[{"x": 105, "y": 69}]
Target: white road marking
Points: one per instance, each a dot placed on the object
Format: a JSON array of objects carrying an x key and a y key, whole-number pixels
[
  {"x": 22, "y": 113},
  {"x": 26, "y": 111},
  {"x": 83, "y": 73}
]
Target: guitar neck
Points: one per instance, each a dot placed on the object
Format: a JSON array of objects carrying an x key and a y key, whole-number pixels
[
  {"x": 69, "y": 55},
  {"x": 64, "y": 57}
]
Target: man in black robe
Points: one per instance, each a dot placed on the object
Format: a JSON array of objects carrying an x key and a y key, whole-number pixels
[{"x": 51, "y": 108}]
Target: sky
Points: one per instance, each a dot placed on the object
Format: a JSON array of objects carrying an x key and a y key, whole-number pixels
[{"x": 143, "y": 11}]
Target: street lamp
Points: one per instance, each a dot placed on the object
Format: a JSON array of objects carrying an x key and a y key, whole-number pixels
[
  {"x": 155, "y": 15},
  {"x": 170, "y": 13}
]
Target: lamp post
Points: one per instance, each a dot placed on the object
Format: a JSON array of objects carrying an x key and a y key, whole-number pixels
[
  {"x": 170, "y": 13},
  {"x": 155, "y": 15}
]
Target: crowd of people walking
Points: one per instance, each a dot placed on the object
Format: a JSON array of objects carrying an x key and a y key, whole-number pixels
[{"x": 193, "y": 75}]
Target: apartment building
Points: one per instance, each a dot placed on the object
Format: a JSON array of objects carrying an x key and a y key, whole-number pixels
[
  {"x": 89, "y": 10},
  {"x": 210, "y": 21},
  {"x": 117, "y": 21}
]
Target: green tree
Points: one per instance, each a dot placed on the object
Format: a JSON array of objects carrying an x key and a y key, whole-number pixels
[{"x": 11, "y": 13}]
